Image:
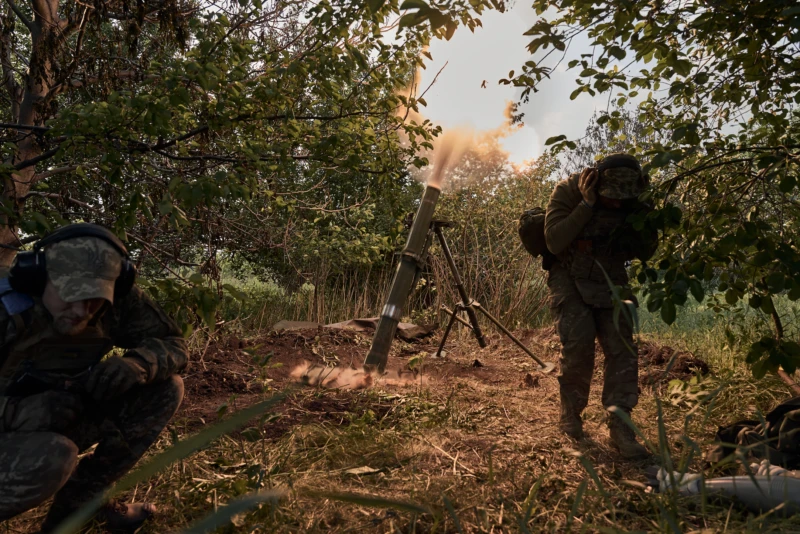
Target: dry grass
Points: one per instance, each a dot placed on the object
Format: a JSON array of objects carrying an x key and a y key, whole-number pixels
[{"x": 475, "y": 449}]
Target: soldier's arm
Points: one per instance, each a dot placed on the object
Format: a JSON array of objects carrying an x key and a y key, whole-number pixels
[
  {"x": 142, "y": 327},
  {"x": 566, "y": 216},
  {"x": 8, "y": 333}
]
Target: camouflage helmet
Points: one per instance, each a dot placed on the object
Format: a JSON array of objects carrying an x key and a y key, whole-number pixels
[
  {"x": 83, "y": 268},
  {"x": 621, "y": 177}
]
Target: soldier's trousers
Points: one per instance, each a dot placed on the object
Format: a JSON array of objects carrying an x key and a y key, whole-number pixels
[
  {"x": 578, "y": 326},
  {"x": 37, "y": 465}
]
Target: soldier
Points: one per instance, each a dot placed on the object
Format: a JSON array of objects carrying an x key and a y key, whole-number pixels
[
  {"x": 585, "y": 227},
  {"x": 64, "y": 307}
]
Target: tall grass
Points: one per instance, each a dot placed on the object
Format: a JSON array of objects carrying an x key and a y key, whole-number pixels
[{"x": 721, "y": 338}]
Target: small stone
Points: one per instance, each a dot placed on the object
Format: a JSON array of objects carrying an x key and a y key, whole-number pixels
[{"x": 477, "y": 363}]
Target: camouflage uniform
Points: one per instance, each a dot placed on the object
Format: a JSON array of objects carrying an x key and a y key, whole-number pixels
[
  {"x": 585, "y": 239},
  {"x": 34, "y": 358}
]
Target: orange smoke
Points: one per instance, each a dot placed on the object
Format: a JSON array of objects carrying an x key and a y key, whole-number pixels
[
  {"x": 447, "y": 151},
  {"x": 451, "y": 145}
]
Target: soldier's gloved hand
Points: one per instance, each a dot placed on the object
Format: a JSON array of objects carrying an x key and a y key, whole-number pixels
[
  {"x": 115, "y": 376},
  {"x": 48, "y": 411},
  {"x": 586, "y": 184}
]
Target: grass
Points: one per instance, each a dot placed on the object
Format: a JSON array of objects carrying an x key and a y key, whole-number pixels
[{"x": 463, "y": 454}]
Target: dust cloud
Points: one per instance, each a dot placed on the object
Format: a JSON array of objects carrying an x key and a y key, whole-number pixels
[{"x": 350, "y": 379}]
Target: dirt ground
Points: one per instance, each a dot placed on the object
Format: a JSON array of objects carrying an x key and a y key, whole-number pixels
[
  {"x": 237, "y": 371},
  {"x": 501, "y": 417}
]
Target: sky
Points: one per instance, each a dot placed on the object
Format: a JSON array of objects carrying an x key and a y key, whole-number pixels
[{"x": 456, "y": 99}]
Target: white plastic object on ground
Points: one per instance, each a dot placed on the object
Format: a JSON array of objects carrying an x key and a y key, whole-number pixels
[{"x": 769, "y": 487}]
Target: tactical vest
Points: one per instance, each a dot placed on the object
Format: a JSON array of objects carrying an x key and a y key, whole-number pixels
[
  {"x": 39, "y": 358},
  {"x": 593, "y": 252}
]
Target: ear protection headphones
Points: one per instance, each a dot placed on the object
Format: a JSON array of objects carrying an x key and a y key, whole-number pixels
[{"x": 29, "y": 271}]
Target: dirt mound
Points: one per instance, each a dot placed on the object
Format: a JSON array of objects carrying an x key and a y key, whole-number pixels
[{"x": 662, "y": 363}]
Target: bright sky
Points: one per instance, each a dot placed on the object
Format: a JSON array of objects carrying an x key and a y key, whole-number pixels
[{"x": 457, "y": 99}]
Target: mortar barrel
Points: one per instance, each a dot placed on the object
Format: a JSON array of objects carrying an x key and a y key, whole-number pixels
[{"x": 402, "y": 282}]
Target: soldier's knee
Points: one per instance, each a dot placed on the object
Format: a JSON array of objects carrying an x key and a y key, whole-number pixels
[
  {"x": 167, "y": 395},
  {"x": 63, "y": 453},
  {"x": 43, "y": 464},
  {"x": 579, "y": 344},
  {"x": 175, "y": 388}
]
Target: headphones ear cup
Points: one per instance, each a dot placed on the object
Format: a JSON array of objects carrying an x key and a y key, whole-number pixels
[
  {"x": 125, "y": 281},
  {"x": 28, "y": 273}
]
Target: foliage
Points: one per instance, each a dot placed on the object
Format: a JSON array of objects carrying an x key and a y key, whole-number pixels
[
  {"x": 716, "y": 88},
  {"x": 276, "y": 131},
  {"x": 633, "y": 137}
]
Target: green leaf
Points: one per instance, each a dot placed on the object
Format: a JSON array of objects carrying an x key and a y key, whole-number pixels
[
  {"x": 696, "y": 287},
  {"x": 617, "y": 52},
  {"x": 668, "y": 311},
  {"x": 787, "y": 183},
  {"x": 731, "y": 297},
  {"x": 375, "y": 5},
  {"x": 414, "y": 4},
  {"x": 554, "y": 139},
  {"x": 776, "y": 282},
  {"x": 451, "y": 29}
]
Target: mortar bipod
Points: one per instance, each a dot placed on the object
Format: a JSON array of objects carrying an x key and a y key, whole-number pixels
[{"x": 469, "y": 305}]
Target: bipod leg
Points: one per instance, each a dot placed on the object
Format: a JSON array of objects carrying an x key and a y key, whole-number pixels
[
  {"x": 545, "y": 367},
  {"x": 466, "y": 302},
  {"x": 448, "y": 311},
  {"x": 450, "y": 323}
]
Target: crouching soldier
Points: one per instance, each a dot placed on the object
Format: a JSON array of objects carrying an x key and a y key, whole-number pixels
[
  {"x": 585, "y": 227},
  {"x": 64, "y": 307}
]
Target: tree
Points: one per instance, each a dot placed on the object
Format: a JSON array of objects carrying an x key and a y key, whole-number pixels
[
  {"x": 599, "y": 140},
  {"x": 720, "y": 81},
  {"x": 194, "y": 127}
]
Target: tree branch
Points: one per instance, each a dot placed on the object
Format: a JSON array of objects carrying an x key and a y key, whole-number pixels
[
  {"x": 33, "y": 161},
  {"x": 59, "y": 170},
  {"x": 25, "y": 20},
  {"x": 58, "y": 196},
  {"x": 9, "y": 126}
]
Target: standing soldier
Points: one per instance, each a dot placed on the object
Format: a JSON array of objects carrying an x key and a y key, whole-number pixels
[
  {"x": 585, "y": 227},
  {"x": 64, "y": 307}
]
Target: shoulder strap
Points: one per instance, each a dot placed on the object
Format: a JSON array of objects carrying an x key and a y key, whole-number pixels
[{"x": 14, "y": 302}]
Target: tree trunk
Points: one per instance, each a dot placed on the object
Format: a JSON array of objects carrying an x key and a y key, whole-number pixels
[{"x": 46, "y": 31}]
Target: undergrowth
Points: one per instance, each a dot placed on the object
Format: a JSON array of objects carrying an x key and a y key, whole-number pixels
[{"x": 456, "y": 457}]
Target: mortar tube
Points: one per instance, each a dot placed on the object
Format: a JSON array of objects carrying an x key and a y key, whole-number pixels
[{"x": 401, "y": 283}]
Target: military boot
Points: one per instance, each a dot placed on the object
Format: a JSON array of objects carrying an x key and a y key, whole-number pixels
[
  {"x": 623, "y": 438},
  {"x": 126, "y": 518},
  {"x": 571, "y": 423}
]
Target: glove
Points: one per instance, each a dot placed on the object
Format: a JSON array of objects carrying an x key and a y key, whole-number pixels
[
  {"x": 49, "y": 411},
  {"x": 114, "y": 377}
]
